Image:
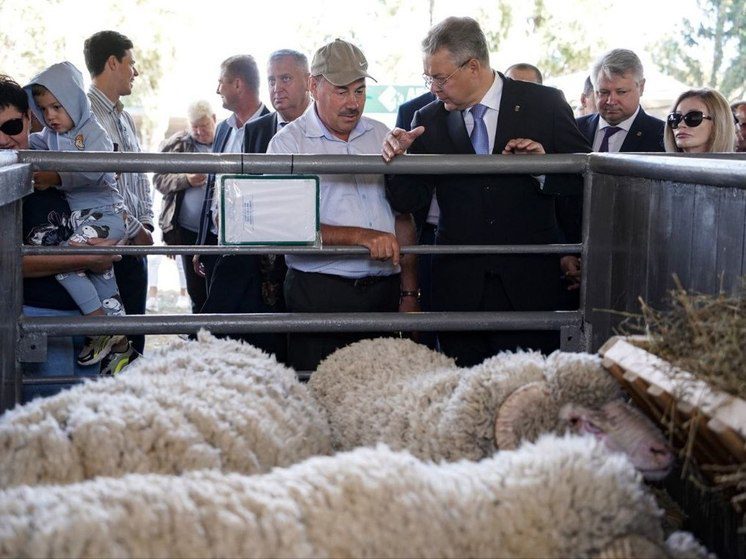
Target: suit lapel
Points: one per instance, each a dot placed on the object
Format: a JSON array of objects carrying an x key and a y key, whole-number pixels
[
  {"x": 507, "y": 118},
  {"x": 635, "y": 136},
  {"x": 589, "y": 128},
  {"x": 221, "y": 137},
  {"x": 457, "y": 132}
]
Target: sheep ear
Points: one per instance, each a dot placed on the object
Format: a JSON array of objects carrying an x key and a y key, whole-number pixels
[
  {"x": 632, "y": 547},
  {"x": 518, "y": 410}
]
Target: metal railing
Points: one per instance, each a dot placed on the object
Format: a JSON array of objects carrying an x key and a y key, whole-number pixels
[{"x": 25, "y": 337}]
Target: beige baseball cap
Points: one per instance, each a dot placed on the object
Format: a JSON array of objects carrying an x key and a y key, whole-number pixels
[{"x": 340, "y": 62}]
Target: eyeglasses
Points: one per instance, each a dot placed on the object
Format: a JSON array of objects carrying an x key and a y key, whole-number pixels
[
  {"x": 692, "y": 119},
  {"x": 440, "y": 83},
  {"x": 12, "y": 127}
]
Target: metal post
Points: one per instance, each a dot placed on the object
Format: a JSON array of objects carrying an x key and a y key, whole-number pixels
[{"x": 15, "y": 182}]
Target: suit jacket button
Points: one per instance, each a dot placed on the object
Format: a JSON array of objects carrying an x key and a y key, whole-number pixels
[
  {"x": 491, "y": 221},
  {"x": 486, "y": 188}
]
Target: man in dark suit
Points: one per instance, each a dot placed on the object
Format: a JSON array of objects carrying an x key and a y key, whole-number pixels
[
  {"x": 621, "y": 125},
  {"x": 238, "y": 87},
  {"x": 249, "y": 283},
  {"x": 480, "y": 111}
]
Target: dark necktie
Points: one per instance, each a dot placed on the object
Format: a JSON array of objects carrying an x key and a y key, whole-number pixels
[
  {"x": 609, "y": 131},
  {"x": 479, "y": 138}
]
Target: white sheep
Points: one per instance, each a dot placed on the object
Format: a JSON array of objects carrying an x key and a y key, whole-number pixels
[
  {"x": 402, "y": 394},
  {"x": 558, "y": 497},
  {"x": 209, "y": 403}
]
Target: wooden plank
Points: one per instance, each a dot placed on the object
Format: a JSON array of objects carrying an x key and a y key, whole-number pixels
[{"x": 728, "y": 409}]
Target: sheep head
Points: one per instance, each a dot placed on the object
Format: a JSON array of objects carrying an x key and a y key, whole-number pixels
[{"x": 581, "y": 397}]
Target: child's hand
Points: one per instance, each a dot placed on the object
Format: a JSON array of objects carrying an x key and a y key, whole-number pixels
[{"x": 44, "y": 179}]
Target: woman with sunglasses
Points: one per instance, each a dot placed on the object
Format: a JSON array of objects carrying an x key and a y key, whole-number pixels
[
  {"x": 45, "y": 222},
  {"x": 701, "y": 122}
]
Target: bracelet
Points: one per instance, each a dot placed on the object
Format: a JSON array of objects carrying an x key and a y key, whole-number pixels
[{"x": 410, "y": 293}]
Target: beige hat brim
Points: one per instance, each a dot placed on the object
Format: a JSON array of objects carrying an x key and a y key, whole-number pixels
[{"x": 341, "y": 79}]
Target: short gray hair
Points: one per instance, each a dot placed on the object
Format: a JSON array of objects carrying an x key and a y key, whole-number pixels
[
  {"x": 461, "y": 36},
  {"x": 617, "y": 62},
  {"x": 734, "y": 106},
  {"x": 199, "y": 109},
  {"x": 300, "y": 59}
]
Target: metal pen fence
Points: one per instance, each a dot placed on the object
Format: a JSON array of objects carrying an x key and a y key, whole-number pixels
[{"x": 606, "y": 179}]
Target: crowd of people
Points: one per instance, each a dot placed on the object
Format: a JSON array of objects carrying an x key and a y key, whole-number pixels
[{"x": 318, "y": 109}]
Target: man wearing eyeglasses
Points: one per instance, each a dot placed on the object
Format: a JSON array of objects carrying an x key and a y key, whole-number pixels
[
  {"x": 739, "y": 112},
  {"x": 621, "y": 125},
  {"x": 479, "y": 111}
]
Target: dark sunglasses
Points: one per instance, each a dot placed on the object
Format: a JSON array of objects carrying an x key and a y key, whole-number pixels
[
  {"x": 692, "y": 119},
  {"x": 12, "y": 127}
]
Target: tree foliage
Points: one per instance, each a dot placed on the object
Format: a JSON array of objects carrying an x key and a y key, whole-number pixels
[{"x": 710, "y": 50}]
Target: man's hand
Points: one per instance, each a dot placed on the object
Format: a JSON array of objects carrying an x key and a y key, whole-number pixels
[
  {"x": 571, "y": 268},
  {"x": 99, "y": 263},
  {"x": 398, "y": 141},
  {"x": 143, "y": 237},
  {"x": 45, "y": 179},
  {"x": 198, "y": 267},
  {"x": 382, "y": 246},
  {"x": 196, "y": 179},
  {"x": 523, "y": 146}
]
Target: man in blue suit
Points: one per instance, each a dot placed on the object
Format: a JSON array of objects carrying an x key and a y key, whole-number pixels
[
  {"x": 238, "y": 87},
  {"x": 248, "y": 283},
  {"x": 621, "y": 125}
]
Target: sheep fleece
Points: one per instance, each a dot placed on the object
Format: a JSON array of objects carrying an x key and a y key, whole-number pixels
[
  {"x": 208, "y": 403},
  {"x": 558, "y": 497},
  {"x": 411, "y": 398}
]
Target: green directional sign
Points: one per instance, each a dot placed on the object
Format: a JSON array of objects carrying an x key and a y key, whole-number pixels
[{"x": 387, "y": 98}]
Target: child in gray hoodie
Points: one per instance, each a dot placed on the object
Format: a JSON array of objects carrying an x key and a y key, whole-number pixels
[{"x": 58, "y": 99}]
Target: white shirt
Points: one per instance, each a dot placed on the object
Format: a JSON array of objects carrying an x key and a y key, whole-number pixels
[
  {"x": 234, "y": 143},
  {"x": 347, "y": 200},
  {"x": 615, "y": 141}
]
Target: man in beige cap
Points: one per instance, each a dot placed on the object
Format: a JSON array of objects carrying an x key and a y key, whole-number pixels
[{"x": 353, "y": 210}]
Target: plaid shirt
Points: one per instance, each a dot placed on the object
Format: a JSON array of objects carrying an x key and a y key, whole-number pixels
[{"x": 134, "y": 187}]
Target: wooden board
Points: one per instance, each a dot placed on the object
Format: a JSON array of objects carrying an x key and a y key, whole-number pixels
[{"x": 711, "y": 421}]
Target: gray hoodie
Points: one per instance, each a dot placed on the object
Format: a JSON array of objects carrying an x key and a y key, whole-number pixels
[{"x": 83, "y": 190}]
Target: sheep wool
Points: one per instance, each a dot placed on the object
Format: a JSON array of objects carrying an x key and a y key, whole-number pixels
[
  {"x": 410, "y": 397},
  {"x": 209, "y": 403},
  {"x": 558, "y": 497}
]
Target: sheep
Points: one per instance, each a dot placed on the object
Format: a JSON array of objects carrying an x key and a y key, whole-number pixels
[
  {"x": 208, "y": 403},
  {"x": 411, "y": 398},
  {"x": 557, "y": 497}
]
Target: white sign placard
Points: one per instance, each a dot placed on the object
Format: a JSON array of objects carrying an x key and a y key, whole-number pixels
[{"x": 268, "y": 209}]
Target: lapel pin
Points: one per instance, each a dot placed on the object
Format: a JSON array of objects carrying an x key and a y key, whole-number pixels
[
  {"x": 517, "y": 108},
  {"x": 639, "y": 134}
]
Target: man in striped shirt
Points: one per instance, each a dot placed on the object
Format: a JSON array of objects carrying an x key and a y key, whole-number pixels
[{"x": 109, "y": 59}]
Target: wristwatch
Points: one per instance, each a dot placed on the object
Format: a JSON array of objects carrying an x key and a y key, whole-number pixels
[{"x": 411, "y": 293}]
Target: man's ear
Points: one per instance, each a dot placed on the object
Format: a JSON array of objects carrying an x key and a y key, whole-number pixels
[
  {"x": 112, "y": 62},
  {"x": 642, "y": 86}
]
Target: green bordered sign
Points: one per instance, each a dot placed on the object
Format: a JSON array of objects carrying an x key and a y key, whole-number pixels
[{"x": 269, "y": 210}]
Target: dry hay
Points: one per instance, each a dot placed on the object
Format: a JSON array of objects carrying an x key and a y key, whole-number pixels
[{"x": 704, "y": 335}]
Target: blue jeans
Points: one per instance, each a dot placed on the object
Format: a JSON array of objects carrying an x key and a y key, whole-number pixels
[{"x": 62, "y": 359}]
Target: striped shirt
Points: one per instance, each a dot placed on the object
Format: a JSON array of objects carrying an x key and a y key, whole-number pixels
[{"x": 134, "y": 187}]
